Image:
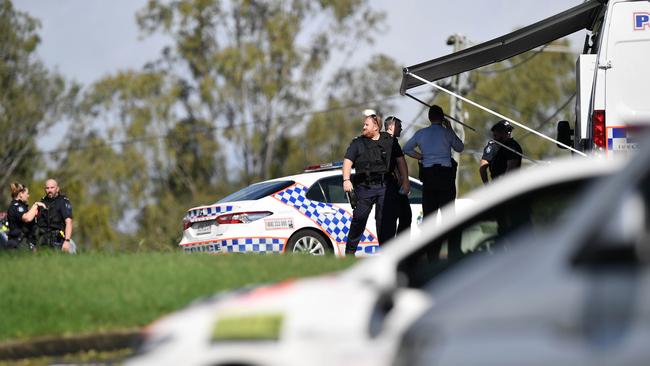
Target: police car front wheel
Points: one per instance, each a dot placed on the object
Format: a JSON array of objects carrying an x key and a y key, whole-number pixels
[{"x": 309, "y": 242}]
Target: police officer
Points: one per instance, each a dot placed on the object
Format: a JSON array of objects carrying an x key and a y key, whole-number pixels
[
  {"x": 374, "y": 155},
  {"x": 437, "y": 167},
  {"x": 20, "y": 217},
  {"x": 397, "y": 206},
  {"x": 496, "y": 158},
  {"x": 54, "y": 222}
]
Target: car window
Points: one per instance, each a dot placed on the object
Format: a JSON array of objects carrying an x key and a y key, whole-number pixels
[
  {"x": 415, "y": 197},
  {"x": 329, "y": 189},
  {"x": 257, "y": 191},
  {"x": 487, "y": 233}
]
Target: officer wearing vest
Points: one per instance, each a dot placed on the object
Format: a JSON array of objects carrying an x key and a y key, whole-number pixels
[
  {"x": 374, "y": 155},
  {"x": 20, "y": 218},
  {"x": 54, "y": 222}
]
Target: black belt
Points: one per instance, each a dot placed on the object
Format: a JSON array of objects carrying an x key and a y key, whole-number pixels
[
  {"x": 374, "y": 178},
  {"x": 437, "y": 166}
]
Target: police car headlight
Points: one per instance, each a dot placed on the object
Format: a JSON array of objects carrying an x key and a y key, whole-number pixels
[{"x": 242, "y": 217}]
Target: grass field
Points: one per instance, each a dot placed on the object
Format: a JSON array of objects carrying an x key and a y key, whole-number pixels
[{"x": 52, "y": 294}]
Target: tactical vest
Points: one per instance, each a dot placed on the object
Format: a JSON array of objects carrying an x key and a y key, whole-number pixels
[
  {"x": 375, "y": 156},
  {"x": 51, "y": 218}
]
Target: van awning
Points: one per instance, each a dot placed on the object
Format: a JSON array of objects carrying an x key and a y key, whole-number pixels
[{"x": 522, "y": 40}]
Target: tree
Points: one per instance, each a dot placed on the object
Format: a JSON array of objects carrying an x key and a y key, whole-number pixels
[
  {"x": 250, "y": 64},
  {"x": 328, "y": 134},
  {"x": 32, "y": 98}
]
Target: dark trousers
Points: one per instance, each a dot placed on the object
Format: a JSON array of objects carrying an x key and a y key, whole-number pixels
[
  {"x": 396, "y": 208},
  {"x": 367, "y": 195},
  {"x": 438, "y": 188}
]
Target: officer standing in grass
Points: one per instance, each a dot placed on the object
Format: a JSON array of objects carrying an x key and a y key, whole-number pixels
[
  {"x": 374, "y": 156},
  {"x": 20, "y": 218},
  {"x": 54, "y": 222}
]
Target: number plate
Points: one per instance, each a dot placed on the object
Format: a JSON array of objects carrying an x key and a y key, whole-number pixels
[{"x": 202, "y": 228}]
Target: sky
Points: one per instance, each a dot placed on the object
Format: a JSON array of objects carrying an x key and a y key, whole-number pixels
[{"x": 87, "y": 39}]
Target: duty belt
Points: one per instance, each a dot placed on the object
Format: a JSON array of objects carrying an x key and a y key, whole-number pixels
[{"x": 374, "y": 178}]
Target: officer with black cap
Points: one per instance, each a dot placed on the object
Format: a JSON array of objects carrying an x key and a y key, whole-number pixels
[
  {"x": 499, "y": 159},
  {"x": 374, "y": 155},
  {"x": 55, "y": 221}
]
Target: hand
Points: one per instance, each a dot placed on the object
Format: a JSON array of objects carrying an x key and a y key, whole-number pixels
[
  {"x": 66, "y": 246},
  {"x": 39, "y": 204},
  {"x": 406, "y": 186},
  {"x": 347, "y": 186},
  {"x": 446, "y": 123}
]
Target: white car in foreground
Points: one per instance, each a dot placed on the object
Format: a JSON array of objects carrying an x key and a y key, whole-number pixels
[
  {"x": 307, "y": 213},
  {"x": 356, "y": 317}
]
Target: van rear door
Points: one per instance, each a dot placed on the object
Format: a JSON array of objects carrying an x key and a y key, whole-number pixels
[{"x": 627, "y": 74}]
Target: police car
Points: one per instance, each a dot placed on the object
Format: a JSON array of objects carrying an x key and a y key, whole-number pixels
[
  {"x": 356, "y": 317},
  {"x": 307, "y": 213}
]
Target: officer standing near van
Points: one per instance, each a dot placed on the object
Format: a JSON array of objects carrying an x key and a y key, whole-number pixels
[
  {"x": 54, "y": 222},
  {"x": 437, "y": 169},
  {"x": 374, "y": 155},
  {"x": 498, "y": 159}
]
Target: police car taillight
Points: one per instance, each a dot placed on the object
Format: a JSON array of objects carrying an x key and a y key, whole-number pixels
[
  {"x": 242, "y": 217},
  {"x": 186, "y": 222},
  {"x": 598, "y": 129}
]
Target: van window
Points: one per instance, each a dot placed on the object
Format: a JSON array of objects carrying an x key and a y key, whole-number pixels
[{"x": 487, "y": 233}]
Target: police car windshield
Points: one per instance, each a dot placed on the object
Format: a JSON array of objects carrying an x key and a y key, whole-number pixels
[{"x": 257, "y": 191}]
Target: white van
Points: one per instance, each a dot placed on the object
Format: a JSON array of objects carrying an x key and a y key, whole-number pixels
[
  {"x": 612, "y": 73},
  {"x": 613, "y": 76}
]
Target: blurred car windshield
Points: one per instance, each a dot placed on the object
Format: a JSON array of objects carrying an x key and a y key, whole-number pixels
[
  {"x": 257, "y": 191},
  {"x": 488, "y": 232}
]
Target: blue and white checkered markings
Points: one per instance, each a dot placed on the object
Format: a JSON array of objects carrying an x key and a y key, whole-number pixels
[
  {"x": 208, "y": 212},
  {"x": 244, "y": 245},
  {"x": 255, "y": 245},
  {"x": 618, "y": 139},
  {"x": 337, "y": 225}
]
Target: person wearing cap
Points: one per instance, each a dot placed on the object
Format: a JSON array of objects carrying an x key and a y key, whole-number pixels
[
  {"x": 498, "y": 159},
  {"x": 397, "y": 207},
  {"x": 374, "y": 155},
  {"x": 437, "y": 168}
]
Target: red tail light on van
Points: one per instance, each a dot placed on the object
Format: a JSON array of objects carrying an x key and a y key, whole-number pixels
[{"x": 599, "y": 130}]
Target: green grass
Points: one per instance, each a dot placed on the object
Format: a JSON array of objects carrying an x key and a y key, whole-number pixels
[{"x": 53, "y": 294}]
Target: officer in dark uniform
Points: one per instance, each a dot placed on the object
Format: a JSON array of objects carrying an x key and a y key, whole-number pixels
[
  {"x": 374, "y": 155},
  {"x": 500, "y": 160},
  {"x": 398, "y": 206},
  {"x": 54, "y": 222},
  {"x": 496, "y": 158},
  {"x": 20, "y": 218}
]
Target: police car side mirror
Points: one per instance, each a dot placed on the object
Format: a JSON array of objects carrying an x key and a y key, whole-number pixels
[{"x": 564, "y": 134}]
